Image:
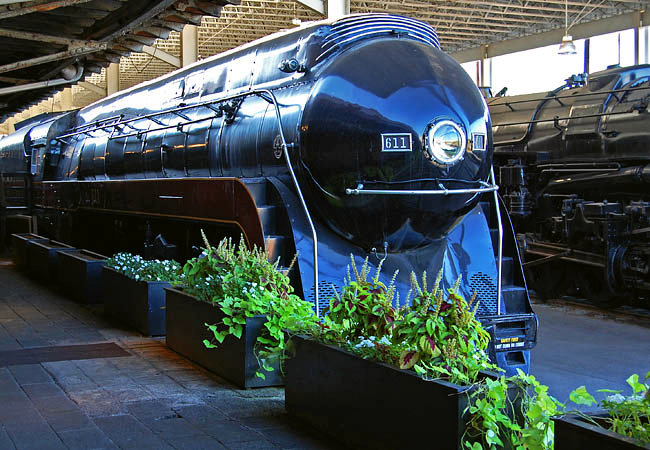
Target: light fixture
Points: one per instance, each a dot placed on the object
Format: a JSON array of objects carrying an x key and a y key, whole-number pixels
[
  {"x": 296, "y": 21},
  {"x": 445, "y": 143},
  {"x": 567, "y": 47}
]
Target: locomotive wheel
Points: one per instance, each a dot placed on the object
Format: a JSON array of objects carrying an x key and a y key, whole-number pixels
[
  {"x": 592, "y": 287},
  {"x": 548, "y": 280}
]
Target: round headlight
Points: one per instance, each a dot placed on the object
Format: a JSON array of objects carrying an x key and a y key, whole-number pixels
[{"x": 446, "y": 142}]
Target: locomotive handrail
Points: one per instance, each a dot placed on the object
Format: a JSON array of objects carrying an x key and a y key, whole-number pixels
[
  {"x": 557, "y": 119},
  {"x": 285, "y": 150},
  {"x": 485, "y": 187},
  {"x": 563, "y": 97},
  {"x": 500, "y": 249},
  {"x": 264, "y": 94}
]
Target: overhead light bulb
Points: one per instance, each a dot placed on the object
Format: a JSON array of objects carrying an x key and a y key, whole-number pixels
[
  {"x": 296, "y": 21},
  {"x": 567, "y": 47}
]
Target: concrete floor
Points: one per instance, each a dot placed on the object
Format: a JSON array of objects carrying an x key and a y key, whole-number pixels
[
  {"x": 577, "y": 346},
  {"x": 151, "y": 399},
  {"x": 156, "y": 399}
]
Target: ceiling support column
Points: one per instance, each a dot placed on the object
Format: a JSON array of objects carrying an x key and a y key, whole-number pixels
[
  {"x": 485, "y": 69},
  {"x": 189, "y": 45},
  {"x": 646, "y": 41},
  {"x": 66, "y": 99},
  {"x": 112, "y": 79},
  {"x": 637, "y": 35},
  {"x": 337, "y": 8}
]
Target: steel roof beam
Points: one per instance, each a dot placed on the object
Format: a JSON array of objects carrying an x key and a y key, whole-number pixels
[
  {"x": 579, "y": 31},
  {"x": 8, "y": 11},
  {"x": 4, "y": 32},
  {"x": 92, "y": 88},
  {"x": 314, "y": 5},
  {"x": 77, "y": 51}
]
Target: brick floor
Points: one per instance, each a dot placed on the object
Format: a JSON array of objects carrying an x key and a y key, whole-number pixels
[{"x": 153, "y": 399}]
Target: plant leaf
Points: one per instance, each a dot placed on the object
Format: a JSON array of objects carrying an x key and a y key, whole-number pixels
[
  {"x": 408, "y": 358},
  {"x": 580, "y": 396}
]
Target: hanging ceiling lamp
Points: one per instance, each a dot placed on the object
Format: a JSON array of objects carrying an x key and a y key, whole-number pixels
[{"x": 567, "y": 47}]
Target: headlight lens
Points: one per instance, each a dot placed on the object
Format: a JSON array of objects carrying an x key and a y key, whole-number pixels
[{"x": 446, "y": 142}]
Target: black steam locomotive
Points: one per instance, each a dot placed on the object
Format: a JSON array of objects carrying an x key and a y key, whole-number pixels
[
  {"x": 356, "y": 136},
  {"x": 574, "y": 172}
]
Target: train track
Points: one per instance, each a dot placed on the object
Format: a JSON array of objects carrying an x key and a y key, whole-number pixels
[{"x": 625, "y": 313}]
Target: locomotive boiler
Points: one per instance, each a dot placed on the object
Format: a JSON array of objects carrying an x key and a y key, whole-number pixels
[
  {"x": 574, "y": 172},
  {"x": 356, "y": 136}
]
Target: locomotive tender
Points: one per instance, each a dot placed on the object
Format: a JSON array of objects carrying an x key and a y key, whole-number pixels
[
  {"x": 574, "y": 172},
  {"x": 356, "y": 136}
]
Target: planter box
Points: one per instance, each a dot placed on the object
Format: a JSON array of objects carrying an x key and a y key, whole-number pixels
[
  {"x": 19, "y": 244},
  {"x": 572, "y": 432},
  {"x": 43, "y": 258},
  {"x": 136, "y": 304},
  {"x": 80, "y": 275},
  {"x": 365, "y": 404},
  {"x": 233, "y": 360}
]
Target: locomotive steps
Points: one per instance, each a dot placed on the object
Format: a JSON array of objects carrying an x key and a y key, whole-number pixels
[
  {"x": 275, "y": 223},
  {"x": 512, "y": 294}
]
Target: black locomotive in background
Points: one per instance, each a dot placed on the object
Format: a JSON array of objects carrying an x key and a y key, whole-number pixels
[
  {"x": 574, "y": 171},
  {"x": 357, "y": 136}
]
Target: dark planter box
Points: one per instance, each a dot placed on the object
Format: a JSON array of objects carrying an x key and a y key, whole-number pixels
[
  {"x": 365, "y": 404},
  {"x": 234, "y": 359},
  {"x": 136, "y": 304},
  {"x": 43, "y": 258},
  {"x": 80, "y": 275},
  {"x": 573, "y": 432},
  {"x": 19, "y": 244}
]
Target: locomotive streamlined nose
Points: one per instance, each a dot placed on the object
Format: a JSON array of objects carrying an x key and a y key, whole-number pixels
[{"x": 387, "y": 120}]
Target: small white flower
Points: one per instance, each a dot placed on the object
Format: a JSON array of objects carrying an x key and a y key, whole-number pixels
[
  {"x": 616, "y": 398},
  {"x": 384, "y": 340}
]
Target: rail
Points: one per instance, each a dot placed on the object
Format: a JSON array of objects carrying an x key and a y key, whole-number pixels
[
  {"x": 215, "y": 112},
  {"x": 557, "y": 119},
  {"x": 500, "y": 249},
  {"x": 485, "y": 187},
  {"x": 559, "y": 98}
]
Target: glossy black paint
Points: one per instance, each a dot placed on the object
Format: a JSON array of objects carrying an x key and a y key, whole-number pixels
[
  {"x": 389, "y": 86},
  {"x": 357, "y": 78}
]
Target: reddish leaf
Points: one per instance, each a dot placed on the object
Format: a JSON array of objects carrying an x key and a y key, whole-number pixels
[{"x": 408, "y": 358}]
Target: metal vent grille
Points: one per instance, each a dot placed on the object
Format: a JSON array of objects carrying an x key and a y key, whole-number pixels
[
  {"x": 486, "y": 293},
  {"x": 326, "y": 290},
  {"x": 355, "y": 28}
]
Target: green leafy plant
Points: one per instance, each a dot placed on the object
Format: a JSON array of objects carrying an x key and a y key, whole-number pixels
[
  {"x": 140, "y": 269},
  {"x": 440, "y": 336},
  {"x": 494, "y": 406},
  {"x": 243, "y": 283},
  {"x": 364, "y": 308},
  {"x": 437, "y": 336},
  {"x": 626, "y": 415}
]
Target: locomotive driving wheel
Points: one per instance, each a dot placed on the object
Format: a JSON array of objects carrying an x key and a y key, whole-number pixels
[
  {"x": 548, "y": 279},
  {"x": 592, "y": 286}
]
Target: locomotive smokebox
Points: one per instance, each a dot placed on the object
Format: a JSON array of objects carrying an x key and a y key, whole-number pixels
[{"x": 393, "y": 115}]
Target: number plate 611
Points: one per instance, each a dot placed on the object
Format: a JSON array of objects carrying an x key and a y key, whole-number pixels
[{"x": 396, "y": 142}]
